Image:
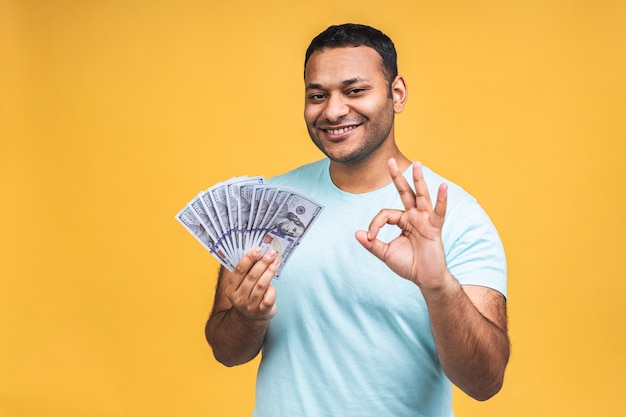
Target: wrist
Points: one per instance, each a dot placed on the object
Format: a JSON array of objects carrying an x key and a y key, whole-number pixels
[{"x": 443, "y": 286}]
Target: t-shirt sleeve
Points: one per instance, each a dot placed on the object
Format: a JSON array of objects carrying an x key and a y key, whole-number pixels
[{"x": 474, "y": 251}]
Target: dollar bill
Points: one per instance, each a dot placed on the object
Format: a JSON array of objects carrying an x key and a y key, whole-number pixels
[
  {"x": 209, "y": 226},
  {"x": 289, "y": 226},
  {"x": 246, "y": 200},
  {"x": 265, "y": 199},
  {"x": 257, "y": 194},
  {"x": 277, "y": 200},
  {"x": 214, "y": 217},
  {"x": 232, "y": 202},
  {"x": 236, "y": 215},
  {"x": 214, "y": 200},
  {"x": 191, "y": 222}
]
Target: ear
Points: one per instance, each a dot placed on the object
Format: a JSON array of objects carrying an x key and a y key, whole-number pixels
[{"x": 399, "y": 94}]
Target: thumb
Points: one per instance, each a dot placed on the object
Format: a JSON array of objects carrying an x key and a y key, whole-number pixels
[{"x": 375, "y": 246}]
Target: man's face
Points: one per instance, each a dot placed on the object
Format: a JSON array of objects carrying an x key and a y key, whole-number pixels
[{"x": 348, "y": 109}]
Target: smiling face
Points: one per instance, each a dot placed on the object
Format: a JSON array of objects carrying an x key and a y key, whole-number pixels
[{"x": 349, "y": 105}]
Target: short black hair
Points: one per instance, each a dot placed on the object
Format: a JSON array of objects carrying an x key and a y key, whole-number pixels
[{"x": 352, "y": 34}]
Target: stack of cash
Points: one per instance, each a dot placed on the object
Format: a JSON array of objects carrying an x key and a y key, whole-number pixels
[{"x": 237, "y": 215}]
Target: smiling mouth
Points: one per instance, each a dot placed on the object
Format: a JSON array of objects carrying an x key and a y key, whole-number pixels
[{"x": 340, "y": 130}]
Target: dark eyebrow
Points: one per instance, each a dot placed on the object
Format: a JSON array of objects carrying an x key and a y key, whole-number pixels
[
  {"x": 352, "y": 81},
  {"x": 313, "y": 86},
  {"x": 345, "y": 83}
]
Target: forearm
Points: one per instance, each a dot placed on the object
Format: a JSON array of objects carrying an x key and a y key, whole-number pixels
[
  {"x": 473, "y": 350},
  {"x": 245, "y": 302},
  {"x": 234, "y": 338}
]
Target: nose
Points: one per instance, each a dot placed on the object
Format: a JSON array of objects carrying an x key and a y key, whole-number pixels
[{"x": 335, "y": 108}]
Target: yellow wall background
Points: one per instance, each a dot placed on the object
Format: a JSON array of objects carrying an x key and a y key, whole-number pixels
[{"x": 114, "y": 114}]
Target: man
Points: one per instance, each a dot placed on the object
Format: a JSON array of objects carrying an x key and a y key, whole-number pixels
[{"x": 376, "y": 322}]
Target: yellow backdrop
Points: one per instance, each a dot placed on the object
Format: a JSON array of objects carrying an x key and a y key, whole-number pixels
[{"x": 115, "y": 113}]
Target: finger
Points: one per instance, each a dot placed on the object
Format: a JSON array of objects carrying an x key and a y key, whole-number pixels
[
  {"x": 265, "y": 306},
  {"x": 441, "y": 205},
  {"x": 262, "y": 303},
  {"x": 256, "y": 272},
  {"x": 384, "y": 217},
  {"x": 368, "y": 238},
  {"x": 375, "y": 246},
  {"x": 234, "y": 278},
  {"x": 261, "y": 285},
  {"x": 407, "y": 196},
  {"x": 268, "y": 303},
  {"x": 422, "y": 198},
  {"x": 249, "y": 297},
  {"x": 247, "y": 261}
]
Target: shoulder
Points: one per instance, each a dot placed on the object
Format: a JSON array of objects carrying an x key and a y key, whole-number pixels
[
  {"x": 456, "y": 194},
  {"x": 474, "y": 251},
  {"x": 462, "y": 207}
]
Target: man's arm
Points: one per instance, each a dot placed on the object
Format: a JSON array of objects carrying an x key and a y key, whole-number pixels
[
  {"x": 245, "y": 302},
  {"x": 469, "y": 323},
  {"x": 470, "y": 328}
]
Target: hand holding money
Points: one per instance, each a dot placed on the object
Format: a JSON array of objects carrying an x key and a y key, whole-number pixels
[{"x": 232, "y": 217}]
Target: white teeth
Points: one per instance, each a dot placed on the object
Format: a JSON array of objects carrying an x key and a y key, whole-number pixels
[{"x": 340, "y": 131}]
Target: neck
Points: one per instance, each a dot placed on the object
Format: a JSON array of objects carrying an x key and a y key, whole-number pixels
[{"x": 367, "y": 175}]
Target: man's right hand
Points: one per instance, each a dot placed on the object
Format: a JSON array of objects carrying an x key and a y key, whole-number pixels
[
  {"x": 248, "y": 286},
  {"x": 245, "y": 302}
]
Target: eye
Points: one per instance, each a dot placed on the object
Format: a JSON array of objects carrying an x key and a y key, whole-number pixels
[
  {"x": 356, "y": 91},
  {"x": 317, "y": 96}
]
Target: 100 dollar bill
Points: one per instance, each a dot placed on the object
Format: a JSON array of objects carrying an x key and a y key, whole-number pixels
[{"x": 234, "y": 216}]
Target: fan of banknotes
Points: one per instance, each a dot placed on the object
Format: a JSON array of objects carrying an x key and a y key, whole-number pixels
[{"x": 237, "y": 215}]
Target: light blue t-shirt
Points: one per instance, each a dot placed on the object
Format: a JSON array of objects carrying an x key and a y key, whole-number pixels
[{"x": 350, "y": 337}]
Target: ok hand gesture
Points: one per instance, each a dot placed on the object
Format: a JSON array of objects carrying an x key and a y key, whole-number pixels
[{"x": 417, "y": 253}]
